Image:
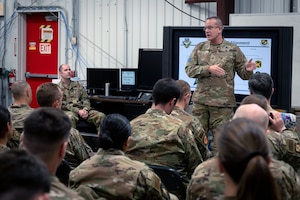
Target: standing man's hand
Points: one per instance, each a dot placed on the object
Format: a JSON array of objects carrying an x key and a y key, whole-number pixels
[
  {"x": 216, "y": 70},
  {"x": 250, "y": 66}
]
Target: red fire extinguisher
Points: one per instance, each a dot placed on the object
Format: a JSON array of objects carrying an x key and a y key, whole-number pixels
[{"x": 11, "y": 77}]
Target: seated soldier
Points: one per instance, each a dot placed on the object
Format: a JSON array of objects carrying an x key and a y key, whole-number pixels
[
  {"x": 75, "y": 100},
  {"x": 208, "y": 183},
  {"x": 5, "y": 128},
  {"x": 50, "y": 95},
  {"x": 19, "y": 110}
]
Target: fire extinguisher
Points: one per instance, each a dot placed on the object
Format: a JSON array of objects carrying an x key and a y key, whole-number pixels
[{"x": 11, "y": 78}]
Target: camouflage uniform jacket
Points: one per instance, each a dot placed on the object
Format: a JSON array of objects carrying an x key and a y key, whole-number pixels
[
  {"x": 160, "y": 139},
  {"x": 18, "y": 114},
  {"x": 3, "y": 148},
  {"x": 286, "y": 146},
  {"x": 112, "y": 175},
  {"x": 59, "y": 191},
  {"x": 74, "y": 97},
  {"x": 214, "y": 90},
  {"x": 77, "y": 149},
  {"x": 208, "y": 183},
  {"x": 196, "y": 128}
]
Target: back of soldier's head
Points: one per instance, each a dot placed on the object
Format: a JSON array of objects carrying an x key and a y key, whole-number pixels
[
  {"x": 256, "y": 99},
  {"x": 114, "y": 132},
  {"x": 18, "y": 89},
  {"x": 4, "y": 119},
  {"x": 47, "y": 94},
  {"x": 184, "y": 88},
  {"x": 23, "y": 176},
  {"x": 45, "y": 129},
  {"x": 165, "y": 90},
  {"x": 261, "y": 83},
  {"x": 253, "y": 112}
]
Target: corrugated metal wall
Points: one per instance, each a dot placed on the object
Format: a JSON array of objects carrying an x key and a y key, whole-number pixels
[
  {"x": 109, "y": 32},
  {"x": 120, "y": 27}
]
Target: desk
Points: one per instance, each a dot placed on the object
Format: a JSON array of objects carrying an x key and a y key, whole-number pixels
[{"x": 126, "y": 107}]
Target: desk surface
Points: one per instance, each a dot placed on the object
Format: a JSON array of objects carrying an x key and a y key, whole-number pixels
[{"x": 127, "y": 101}]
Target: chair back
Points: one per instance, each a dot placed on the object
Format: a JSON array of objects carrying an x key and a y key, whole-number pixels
[{"x": 171, "y": 179}]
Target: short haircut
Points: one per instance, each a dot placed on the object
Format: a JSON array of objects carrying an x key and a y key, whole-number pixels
[
  {"x": 256, "y": 99},
  {"x": 60, "y": 66},
  {"x": 218, "y": 20},
  {"x": 22, "y": 176},
  {"x": 184, "y": 88},
  {"x": 114, "y": 131},
  {"x": 261, "y": 83},
  {"x": 47, "y": 93},
  {"x": 165, "y": 90},
  {"x": 45, "y": 129},
  {"x": 18, "y": 89},
  {"x": 4, "y": 119}
]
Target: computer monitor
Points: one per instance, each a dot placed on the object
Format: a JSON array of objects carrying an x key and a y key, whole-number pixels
[
  {"x": 97, "y": 77},
  {"x": 150, "y": 68},
  {"x": 128, "y": 79}
]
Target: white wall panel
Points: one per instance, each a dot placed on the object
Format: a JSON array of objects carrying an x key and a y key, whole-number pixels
[{"x": 110, "y": 32}]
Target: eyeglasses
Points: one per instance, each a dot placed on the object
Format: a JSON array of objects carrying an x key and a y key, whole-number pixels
[{"x": 209, "y": 27}]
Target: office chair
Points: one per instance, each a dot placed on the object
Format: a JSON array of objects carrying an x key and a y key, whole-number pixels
[{"x": 171, "y": 179}]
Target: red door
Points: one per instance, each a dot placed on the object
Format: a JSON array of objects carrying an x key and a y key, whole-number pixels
[{"x": 42, "y": 50}]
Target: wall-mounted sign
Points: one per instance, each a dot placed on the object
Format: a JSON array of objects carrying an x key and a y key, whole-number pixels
[
  {"x": 32, "y": 46},
  {"x": 45, "y": 48},
  {"x": 46, "y": 33}
]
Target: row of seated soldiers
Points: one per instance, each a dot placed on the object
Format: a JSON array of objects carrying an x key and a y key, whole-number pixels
[{"x": 165, "y": 135}]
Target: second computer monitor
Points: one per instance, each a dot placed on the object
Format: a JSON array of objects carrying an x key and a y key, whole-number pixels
[
  {"x": 128, "y": 79},
  {"x": 98, "y": 77}
]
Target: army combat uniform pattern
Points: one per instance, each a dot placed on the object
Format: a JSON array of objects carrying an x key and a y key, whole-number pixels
[
  {"x": 215, "y": 93},
  {"x": 18, "y": 114},
  {"x": 160, "y": 139},
  {"x": 208, "y": 183},
  {"x": 74, "y": 99},
  {"x": 112, "y": 175},
  {"x": 196, "y": 128},
  {"x": 77, "y": 149},
  {"x": 286, "y": 146},
  {"x": 59, "y": 191}
]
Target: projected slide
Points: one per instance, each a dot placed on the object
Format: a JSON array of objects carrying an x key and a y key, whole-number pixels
[{"x": 259, "y": 49}]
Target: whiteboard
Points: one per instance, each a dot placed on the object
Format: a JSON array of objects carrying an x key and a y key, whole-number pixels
[{"x": 290, "y": 19}]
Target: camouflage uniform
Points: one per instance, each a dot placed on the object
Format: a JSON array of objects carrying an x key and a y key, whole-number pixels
[
  {"x": 77, "y": 149},
  {"x": 208, "y": 183},
  {"x": 112, "y": 175},
  {"x": 59, "y": 191},
  {"x": 75, "y": 98},
  {"x": 160, "y": 139},
  {"x": 214, "y": 96},
  {"x": 3, "y": 148},
  {"x": 18, "y": 114},
  {"x": 196, "y": 128}
]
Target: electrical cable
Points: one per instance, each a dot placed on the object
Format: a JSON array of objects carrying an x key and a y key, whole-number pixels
[{"x": 184, "y": 11}]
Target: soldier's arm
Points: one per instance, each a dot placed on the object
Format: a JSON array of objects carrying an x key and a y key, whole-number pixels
[
  {"x": 149, "y": 186},
  {"x": 193, "y": 68},
  {"x": 86, "y": 104},
  {"x": 192, "y": 155},
  {"x": 240, "y": 65},
  {"x": 206, "y": 182}
]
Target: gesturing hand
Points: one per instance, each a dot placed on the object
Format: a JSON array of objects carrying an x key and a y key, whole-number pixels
[{"x": 250, "y": 66}]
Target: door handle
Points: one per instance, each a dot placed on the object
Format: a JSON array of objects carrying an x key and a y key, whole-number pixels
[{"x": 33, "y": 75}]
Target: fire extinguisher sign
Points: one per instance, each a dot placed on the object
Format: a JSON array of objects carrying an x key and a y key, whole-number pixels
[{"x": 45, "y": 48}]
